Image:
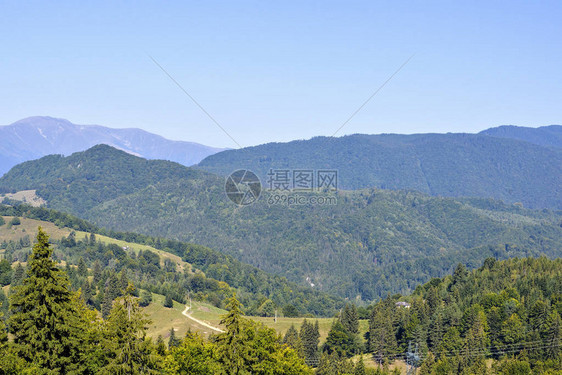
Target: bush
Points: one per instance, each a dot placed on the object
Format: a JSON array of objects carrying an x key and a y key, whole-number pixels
[
  {"x": 15, "y": 221},
  {"x": 168, "y": 302},
  {"x": 145, "y": 298},
  {"x": 2, "y": 221}
]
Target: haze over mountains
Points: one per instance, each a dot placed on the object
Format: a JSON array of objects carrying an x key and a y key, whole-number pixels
[
  {"x": 510, "y": 163},
  {"x": 34, "y": 137}
]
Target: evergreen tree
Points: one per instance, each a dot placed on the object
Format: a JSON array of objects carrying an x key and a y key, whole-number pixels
[
  {"x": 309, "y": 336},
  {"x": 145, "y": 298},
  {"x": 3, "y": 332},
  {"x": 129, "y": 351},
  {"x": 293, "y": 340},
  {"x": 160, "y": 346},
  {"x": 82, "y": 269},
  {"x": 552, "y": 335},
  {"x": 97, "y": 272},
  {"x": 123, "y": 281},
  {"x": 340, "y": 341},
  {"x": 350, "y": 319},
  {"x": 232, "y": 352},
  {"x": 87, "y": 293},
  {"x": 382, "y": 338},
  {"x": 168, "y": 302},
  {"x": 360, "y": 367},
  {"x": 18, "y": 275},
  {"x": 107, "y": 303},
  {"x": 173, "y": 341},
  {"x": 113, "y": 286},
  {"x": 48, "y": 321}
]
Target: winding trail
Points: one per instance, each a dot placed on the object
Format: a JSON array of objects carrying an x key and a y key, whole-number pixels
[{"x": 187, "y": 315}]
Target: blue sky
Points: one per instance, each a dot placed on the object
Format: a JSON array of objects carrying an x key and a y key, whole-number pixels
[{"x": 278, "y": 71}]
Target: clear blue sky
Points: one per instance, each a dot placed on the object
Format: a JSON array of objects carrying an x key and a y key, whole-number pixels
[{"x": 278, "y": 71}]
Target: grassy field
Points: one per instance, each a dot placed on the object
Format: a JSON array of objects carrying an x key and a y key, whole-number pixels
[
  {"x": 29, "y": 227},
  {"x": 212, "y": 315},
  {"x": 26, "y": 196}
]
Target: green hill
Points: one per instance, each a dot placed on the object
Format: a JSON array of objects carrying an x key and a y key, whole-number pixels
[
  {"x": 505, "y": 313},
  {"x": 549, "y": 136},
  {"x": 451, "y": 165},
  {"x": 370, "y": 243},
  {"x": 159, "y": 265}
]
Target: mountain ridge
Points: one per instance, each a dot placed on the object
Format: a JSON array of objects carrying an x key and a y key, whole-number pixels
[
  {"x": 37, "y": 136},
  {"x": 367, "y": 244},
  {"x": 452, "y": 164}
]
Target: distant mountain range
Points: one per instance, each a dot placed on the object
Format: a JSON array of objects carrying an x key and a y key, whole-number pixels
[
  {"x": 514, "y": 164},
  {"x": 549, "y": 136},
  {"x": 34, "y": 137},
  {"x": 370, "y": 243}
]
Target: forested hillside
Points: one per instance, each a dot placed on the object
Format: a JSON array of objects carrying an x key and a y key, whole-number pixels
[
  {"x": 208, "y": 275},
  {"x": 508, "y": 311},
  {"x": 549, "y": 136},
  {"x": 452, "y": 165},
  {"x": 371, "y": 243},
  {"x": 56, "y": 331}
]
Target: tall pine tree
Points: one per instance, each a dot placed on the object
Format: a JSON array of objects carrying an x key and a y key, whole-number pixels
[{"x": 47, "y": 321}]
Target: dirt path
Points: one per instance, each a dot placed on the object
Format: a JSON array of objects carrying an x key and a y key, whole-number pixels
[{"x": 185, "y": 312}]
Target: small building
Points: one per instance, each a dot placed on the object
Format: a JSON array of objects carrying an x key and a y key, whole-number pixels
[{"x": 403, "y": 304}]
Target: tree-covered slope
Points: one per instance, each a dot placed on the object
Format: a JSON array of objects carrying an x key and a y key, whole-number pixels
[
  {"x": 506, "y": 313},
  {"x": 549, "y": 136},
  {"x": 369, "y": 243},
  {"x": 453, "y": 165},
  {"x": 83, "y": 180},
  {"x": 162, "y": 266}
]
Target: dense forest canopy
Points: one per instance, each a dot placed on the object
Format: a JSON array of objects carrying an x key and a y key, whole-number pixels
[
  {"x": 210, "y": 277},
  {"x": 500, "y": 319},
  {"x": 451, "y": 165},
  {"x": 364, "y": 246}
]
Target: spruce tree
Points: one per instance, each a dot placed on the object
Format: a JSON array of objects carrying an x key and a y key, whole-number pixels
[
  {"x": 47, "y": 321},
  {"x": 350, "y": 319},
  {"x": 168, "y": 302},
  {"x": 160, "y": 346},
  {"x": 18, "y": 275},
  {"x": 3, "y": 332},
  {"x": 360, "y": 367},
  {"x": 97, "y": 272},
  {"x": 129, "y": 351},
  {"x": 106, "y": 304},
  {"x": 309, "y": 336},
  {"x": 173, "y": 341},
  {"x": 82, "y": 269},
  {"x": 293, "y": 340},
  {"x": 123, "y": 281},
  {"x": 232, "y": 351},
  {"x": 114, "y": 286}
]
